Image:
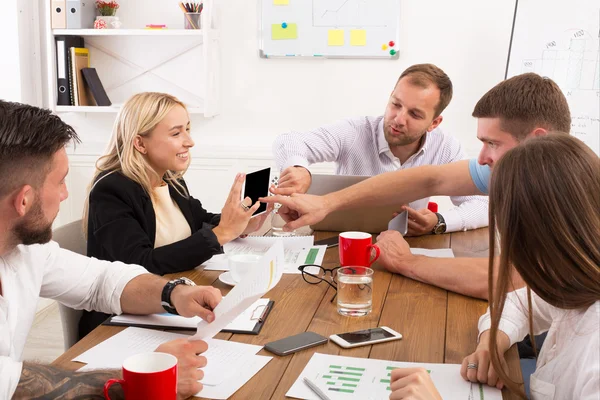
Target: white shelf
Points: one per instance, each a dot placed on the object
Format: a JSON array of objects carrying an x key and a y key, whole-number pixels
[
  {"x": 110, "y": 109},
  {"x": 129, "y": 32}
]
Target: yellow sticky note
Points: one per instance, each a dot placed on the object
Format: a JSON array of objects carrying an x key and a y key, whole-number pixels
[
  {"x": 278, "y": 32},
  {"x": 358, "y": 37},
  {"x": 335, "y": 37},
  {"x": 281, "y": 2}
]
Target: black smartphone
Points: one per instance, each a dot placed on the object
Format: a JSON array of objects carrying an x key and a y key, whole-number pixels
[
  {"x": 257, "y": 185},
  {"x": 292, "y": 344},
  {"x": 329, "y": 242}
]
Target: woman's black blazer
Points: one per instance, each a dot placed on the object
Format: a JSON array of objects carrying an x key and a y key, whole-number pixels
[{"x": 122, "y": 227}]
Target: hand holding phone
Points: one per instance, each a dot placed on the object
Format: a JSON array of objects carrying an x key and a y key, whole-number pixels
[
  {"x": 292, "y": 344},
  {"x": 365, "y": 337},
  {"x": 255, "y": 186}
]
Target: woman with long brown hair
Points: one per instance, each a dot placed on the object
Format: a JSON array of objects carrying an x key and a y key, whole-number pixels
[{"x": 545, "y": 205}]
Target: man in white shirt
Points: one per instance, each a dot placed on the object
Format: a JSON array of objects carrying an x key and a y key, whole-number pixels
[
  {"x": 406, "y": 136},
  {"x": 518, "y": 108},
  {"x": 33, "y": 167}
]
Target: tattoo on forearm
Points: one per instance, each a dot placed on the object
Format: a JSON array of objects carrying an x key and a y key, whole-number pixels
[{"x": 47, "y": 382}]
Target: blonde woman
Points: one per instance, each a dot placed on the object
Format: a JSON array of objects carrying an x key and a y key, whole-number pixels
[
  {"x": 139, "y": 210},
  {"x": 544, "y": 202}
]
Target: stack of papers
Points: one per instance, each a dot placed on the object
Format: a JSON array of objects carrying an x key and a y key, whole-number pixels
[
  {"x": 298, "y": 250},
  {"x": 440, "y": 253},
  {"x": 258, "y": 281},
  {"x": 230, "y": 364},
  {"x": 369, "y": 379}
]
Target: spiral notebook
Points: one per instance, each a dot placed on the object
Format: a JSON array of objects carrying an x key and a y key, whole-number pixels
[{"x": 298, "y": 250}]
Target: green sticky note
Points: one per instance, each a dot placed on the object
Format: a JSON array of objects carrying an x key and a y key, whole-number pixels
[
  {"x": 287, "y": 33},
  {"x": 358, "y": 37},
  {"x": 335, "y": 37}
]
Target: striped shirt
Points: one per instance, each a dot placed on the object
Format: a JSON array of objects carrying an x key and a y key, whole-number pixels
[{"x": 358, "y": 147}]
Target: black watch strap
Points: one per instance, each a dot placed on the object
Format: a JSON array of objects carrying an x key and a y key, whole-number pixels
[
  {"x": 440, "y": 227},
  {"x": 165, "y": 298}
]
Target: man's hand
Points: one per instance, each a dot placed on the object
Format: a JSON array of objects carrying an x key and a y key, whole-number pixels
[
  {"x": 300, "y": 210},
  {"x": 420, "y": 222},
  {"x": 395, "y": 252},
  {"x": 191, "y": 301},
  {"x": 414, "y": 384},
  {"x": 189, "y": 361},
  {"x": 293, "y": 180}
]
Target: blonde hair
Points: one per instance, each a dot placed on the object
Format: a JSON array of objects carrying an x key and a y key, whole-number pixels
[{"x": 138, "y": 116}]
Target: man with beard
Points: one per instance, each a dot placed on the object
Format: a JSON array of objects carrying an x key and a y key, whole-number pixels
[
  {"x": 33, "y": 167},
  {"x": 406, "y": 136}
]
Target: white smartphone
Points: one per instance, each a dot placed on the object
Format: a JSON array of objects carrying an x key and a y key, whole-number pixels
[
  {"x": 399, "y": 223},
  {"x": 368, "y": 336},
  {"x": 257, "y": 185}
]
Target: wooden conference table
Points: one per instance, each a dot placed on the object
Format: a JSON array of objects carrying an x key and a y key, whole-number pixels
[{"x": 438, "y": 326}]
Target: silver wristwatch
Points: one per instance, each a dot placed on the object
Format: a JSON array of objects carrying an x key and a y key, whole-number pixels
[{"x": 440, "y": 227}]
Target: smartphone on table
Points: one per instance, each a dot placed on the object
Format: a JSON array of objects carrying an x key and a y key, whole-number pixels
[
  {"x": 365, "y": 337},
  {"x": 329, "y": 242},
  {"x": 255, "y": 186},
  {"x": 292, "y": 344}
]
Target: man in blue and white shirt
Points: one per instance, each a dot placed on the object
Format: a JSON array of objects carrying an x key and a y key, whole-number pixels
[
  {"x": 521, "y": 107},
  {"x": 406, "y": 136}
]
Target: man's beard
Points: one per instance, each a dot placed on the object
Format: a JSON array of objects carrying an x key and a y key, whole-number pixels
[
  {"x": 405, "y": 140},
  {"x": 33, "y": 229}
]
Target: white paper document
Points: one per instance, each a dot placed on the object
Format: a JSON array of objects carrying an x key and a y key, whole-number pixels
[
  {"x": 223, "y": 356},
  {"x": 368, "y": 379},
  {"x": 235, "y": 381},
  {"x": 440, "y": 253},
  {"x": 246, "y": 321},
  {"x": 259, "y": 280},
  {"x": 297, "y": 250}
]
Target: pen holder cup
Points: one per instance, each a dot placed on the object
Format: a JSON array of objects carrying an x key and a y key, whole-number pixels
[{"x": 191, "y": 21}]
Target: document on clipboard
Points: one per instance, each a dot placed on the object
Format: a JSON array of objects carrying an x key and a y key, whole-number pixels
[{"x": 249, "y": 322}]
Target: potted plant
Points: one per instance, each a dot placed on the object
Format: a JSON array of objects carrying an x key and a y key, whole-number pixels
[{"x": 107, "y": 18}]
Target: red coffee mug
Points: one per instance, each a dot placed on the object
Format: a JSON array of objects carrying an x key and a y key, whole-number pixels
[
  {"x": 147, "y": 376},
  {"x": 356, "y": 248}
]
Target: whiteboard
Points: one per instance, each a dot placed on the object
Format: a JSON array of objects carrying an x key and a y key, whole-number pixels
[
  {"x": 559, "y": 39},
  {"x": 329, "y": 28}
]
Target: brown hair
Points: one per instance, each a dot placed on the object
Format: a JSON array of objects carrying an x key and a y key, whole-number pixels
[
  {"x": 544, "y": 201},
  {"x": 525, "y": 102},
  {"x": 423, "y": 75}
]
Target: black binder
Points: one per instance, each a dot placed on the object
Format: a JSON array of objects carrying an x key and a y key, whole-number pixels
[
  {"x": 255, "y": 331},
  {"x": 95, "y": 85},
  {"x": 63, "y": 66}
]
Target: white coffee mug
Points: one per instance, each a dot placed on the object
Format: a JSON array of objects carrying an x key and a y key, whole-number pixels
[{"x": 240, "y": 264}]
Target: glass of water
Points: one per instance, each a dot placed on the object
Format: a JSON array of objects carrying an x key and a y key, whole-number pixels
[
  {"x": 277, "y": 223},
  {"x": 355, "y": 291}
]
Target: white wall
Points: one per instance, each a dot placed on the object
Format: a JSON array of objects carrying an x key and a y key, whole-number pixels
[
  {"x": 10, "y": 81},
  {"x": 262, "y": 98},
  {"x": 19, "y": 52}
]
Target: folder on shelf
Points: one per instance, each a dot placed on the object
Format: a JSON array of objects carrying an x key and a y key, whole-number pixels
[
  {"x": 80, "y": 14},
  {"x": 96, "y": 87},
  {"x": 59, "y": 14},
  {"x": 80, "y": 58},
  {"x": 63, "y": 66}
]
